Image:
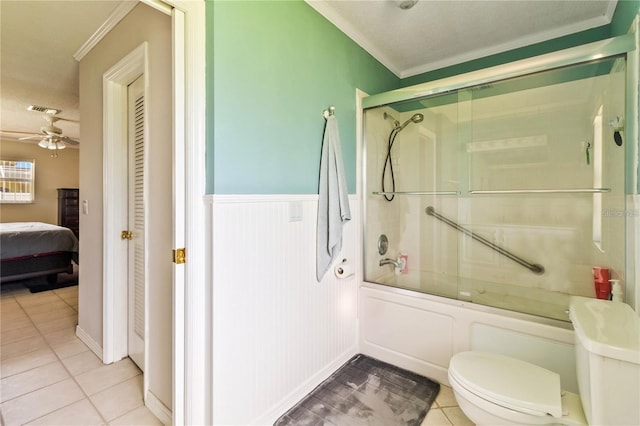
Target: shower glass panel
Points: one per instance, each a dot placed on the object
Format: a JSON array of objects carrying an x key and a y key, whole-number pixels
[{"x": 503, "y": 194}]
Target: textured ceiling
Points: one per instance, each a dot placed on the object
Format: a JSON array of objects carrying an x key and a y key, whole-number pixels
[
  {"x": 38, "y": 40},
  {"x": 434, "y": 34},
  {"x": 37, "y": 43}
]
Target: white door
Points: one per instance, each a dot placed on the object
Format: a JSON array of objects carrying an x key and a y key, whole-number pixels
[{"x": 136, "y": 217}]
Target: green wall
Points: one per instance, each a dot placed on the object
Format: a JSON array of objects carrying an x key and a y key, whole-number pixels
[
  {"x": 626, "y": 10},
  {"x": 272, "y": 68}
]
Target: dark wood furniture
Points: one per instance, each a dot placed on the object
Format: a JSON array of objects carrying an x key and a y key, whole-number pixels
[
  {"x": 69, "y": 209},
  {"x": 49, "y": 265}
]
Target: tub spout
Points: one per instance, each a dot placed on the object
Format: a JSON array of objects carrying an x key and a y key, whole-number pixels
[{"x": 387, "y": 261}]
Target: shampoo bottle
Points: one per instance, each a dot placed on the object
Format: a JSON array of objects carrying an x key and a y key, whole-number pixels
[
  {"x": 616, "y": 291},
  {"x": 403, "y": 258},
  {"x": 601, "y": 282}
]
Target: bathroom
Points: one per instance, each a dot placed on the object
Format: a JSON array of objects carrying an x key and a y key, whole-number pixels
[{"x": 303, "y": 332}]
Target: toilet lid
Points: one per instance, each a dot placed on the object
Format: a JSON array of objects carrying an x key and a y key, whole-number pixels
[{"x": 508, "y": 382}]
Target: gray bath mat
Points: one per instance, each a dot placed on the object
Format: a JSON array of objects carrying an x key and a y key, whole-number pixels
[{"x": 365, "y": 392}]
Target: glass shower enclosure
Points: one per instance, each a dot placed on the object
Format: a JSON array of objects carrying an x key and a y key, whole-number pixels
[{"x": 503, "y": 190}]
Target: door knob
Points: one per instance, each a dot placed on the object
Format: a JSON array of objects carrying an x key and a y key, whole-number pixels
[{"x": 126, "y": 235}]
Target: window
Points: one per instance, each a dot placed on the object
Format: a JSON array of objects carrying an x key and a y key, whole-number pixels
[{"x": 17, "y": 181}]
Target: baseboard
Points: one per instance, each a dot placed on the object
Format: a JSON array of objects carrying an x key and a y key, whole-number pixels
[
  {"x": 304, "y": 389},
  {"x": 158, "y": 409},
  {"x": 88, "y": 340}
]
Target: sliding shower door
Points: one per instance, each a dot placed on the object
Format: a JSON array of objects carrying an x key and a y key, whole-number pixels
[
  {"x": 419, "y": 168},
  {"x": 506, "y": 194}
]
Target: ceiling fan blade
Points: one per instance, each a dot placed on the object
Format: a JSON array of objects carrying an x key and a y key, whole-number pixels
[
  {"x": 67, "y": 139},
  {"x": 53, "y": 118},
  {"x": 15, "y": 132},
  {"x": 30, "y": 137},
  {"x": 70, "y": 120}
]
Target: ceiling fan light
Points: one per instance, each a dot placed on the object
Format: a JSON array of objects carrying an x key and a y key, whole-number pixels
[
  {"x": 43, "y": 143},
  {"x": 60, "y": 145}
]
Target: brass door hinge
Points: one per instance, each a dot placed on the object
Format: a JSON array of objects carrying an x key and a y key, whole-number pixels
[
  {"x": 126, "y": 235},
  {"x": 179, "y": 256}
]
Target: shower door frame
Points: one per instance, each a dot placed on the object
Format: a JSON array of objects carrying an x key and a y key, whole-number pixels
[{"x": 627, "y": 45}]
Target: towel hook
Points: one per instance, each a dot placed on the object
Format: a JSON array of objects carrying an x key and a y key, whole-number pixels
[{"x": 328, "y": 112}]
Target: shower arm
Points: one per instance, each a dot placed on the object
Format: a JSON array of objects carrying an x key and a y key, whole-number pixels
[{"x": 533, "y": 267}]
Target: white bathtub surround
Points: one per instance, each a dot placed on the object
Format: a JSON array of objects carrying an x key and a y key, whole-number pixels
[
  {"x": 422, "y": 332},
  {"x": 277, "y": 332}
]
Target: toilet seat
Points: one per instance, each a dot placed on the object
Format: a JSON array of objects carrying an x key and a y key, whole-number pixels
[{"x": 508, "y": 382}]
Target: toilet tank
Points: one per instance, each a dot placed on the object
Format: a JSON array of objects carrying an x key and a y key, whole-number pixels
[{"x": 607, "y": 336}]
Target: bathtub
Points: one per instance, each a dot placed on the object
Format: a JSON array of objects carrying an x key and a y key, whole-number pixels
[
  {"x": 529, "y": 300},
  {"x": 421, "y": 332}
]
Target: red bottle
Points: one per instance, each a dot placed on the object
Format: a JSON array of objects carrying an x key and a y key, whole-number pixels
[{"x": 601, "y": 282}]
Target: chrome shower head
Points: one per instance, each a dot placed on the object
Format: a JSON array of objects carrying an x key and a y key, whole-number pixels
[{"x": 415, "y": 118}]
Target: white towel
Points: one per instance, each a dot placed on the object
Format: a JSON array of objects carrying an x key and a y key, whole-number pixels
[{"x": 333, "y": 200}]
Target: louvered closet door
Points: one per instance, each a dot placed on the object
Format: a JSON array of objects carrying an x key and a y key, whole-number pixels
[{"x": 137, "y": 263}]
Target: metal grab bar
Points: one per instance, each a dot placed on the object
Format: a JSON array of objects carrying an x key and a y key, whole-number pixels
[
  {"x": 533, "y": 267},
  {"x": 542, "y": 191},
  {"x": 417, "y": 193}
]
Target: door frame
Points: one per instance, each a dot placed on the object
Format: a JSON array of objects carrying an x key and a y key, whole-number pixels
[
  {"x": 192, "y": 379},
  {"x": 115, "y": 84}
]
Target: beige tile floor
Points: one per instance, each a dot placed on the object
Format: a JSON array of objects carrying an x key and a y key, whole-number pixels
[
  {"x": 445, "y": 411},
  {"x": 49, "y": 377}
]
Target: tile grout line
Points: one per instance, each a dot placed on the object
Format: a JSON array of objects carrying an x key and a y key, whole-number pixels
[
  {"x": 73, "y": 377},
  {"x": 69, "y": 372},
  {"x": 133, "y": 409},
  {"x": 46, "y": 343},
  {"x": 30, "y": 369},
  {"x": 65, "y": 301},
  {"x": 444, "y": 413},
  {"x": 59, "y": 360}
]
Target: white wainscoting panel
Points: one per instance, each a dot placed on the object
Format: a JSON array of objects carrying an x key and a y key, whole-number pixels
[{"x": 277, "y": 332}]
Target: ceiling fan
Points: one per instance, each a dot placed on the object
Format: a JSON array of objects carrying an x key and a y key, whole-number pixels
[{"x": 50, "y": 136}]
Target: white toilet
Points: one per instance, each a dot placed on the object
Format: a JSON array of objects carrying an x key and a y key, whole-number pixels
[{"x": 494, "y": 389}]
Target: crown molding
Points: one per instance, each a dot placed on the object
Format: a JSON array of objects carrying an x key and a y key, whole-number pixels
[
  {"x": 324, "y": 8},
  {"x": 517, "y": 43},
  {"x": 116, "y": 16}
]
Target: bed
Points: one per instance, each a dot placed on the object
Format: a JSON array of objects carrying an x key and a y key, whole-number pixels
[{"x": 34, "y": 249}]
